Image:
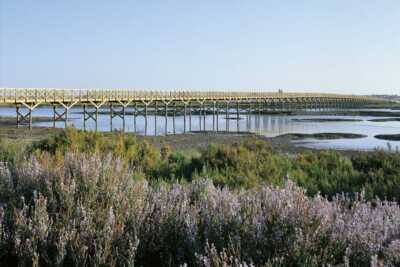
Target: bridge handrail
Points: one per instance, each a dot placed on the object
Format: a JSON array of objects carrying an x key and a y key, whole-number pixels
[{"x": 48, "y": 95}]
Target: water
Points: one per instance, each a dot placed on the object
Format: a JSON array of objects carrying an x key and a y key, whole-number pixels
[{"x": 267, "y": 125}]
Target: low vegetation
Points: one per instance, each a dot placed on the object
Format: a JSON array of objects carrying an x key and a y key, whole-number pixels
[
  {"x": 87, "y": 199},
  {"x": 248, "y": 164}
]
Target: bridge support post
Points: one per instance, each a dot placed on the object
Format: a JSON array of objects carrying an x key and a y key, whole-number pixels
[
  {"x": 27, "y": 117},
  {"x": 166, "y": 117},
  {"x": 204, "y": 116},
  {"x": 145, "y": 119},
  {"x": 200, "y": 111},
  {"x": 213, "y": 111},
  {"x": 84, "y": 117},
  {"x": 237, "y": 116},
  {"x": 266, "y": 107},
  {"x": 146, "y": 106},
  {"x": 60, "y": 116},
  {"x": 117, "y": 113},
  {"x": 54, "y": 116},
  {"x": 217, "y": 118},
  {"x": 21, "y": 117},
  {"x": 190, "y": 118},
  {"x": 155, "y": 118},
  {"x": 135, "y": 113},
  {"x": 111, "y": 116},
  {"x": 227, "y": 116},
  {"x": 184, "y": 116},
  {"x": 87, "y": 115},
  {"x": 248, "y": 116},
  {"x": 173, "y": 118}
]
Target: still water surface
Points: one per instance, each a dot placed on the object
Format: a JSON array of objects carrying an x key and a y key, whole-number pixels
[{"x": 267, "y": 125}]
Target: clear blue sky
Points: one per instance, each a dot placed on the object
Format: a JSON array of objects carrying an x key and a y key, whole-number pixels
[{"x": 345, "y": 46}]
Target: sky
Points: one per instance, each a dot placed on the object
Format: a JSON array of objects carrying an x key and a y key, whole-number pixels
[{"x": 338, "y": 46}]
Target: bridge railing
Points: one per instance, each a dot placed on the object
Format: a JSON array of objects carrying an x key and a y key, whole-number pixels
[{"x": 18, "y": 95}]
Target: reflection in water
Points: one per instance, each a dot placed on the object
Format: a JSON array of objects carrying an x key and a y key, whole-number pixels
[{"x": 267, "y": 125}]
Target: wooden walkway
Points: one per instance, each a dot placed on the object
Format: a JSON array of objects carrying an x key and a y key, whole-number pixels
[
  {"x": 167, "y": 103},
  {"x": 50, "y": 96}
]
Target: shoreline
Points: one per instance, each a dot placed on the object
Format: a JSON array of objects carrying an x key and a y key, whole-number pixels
[
  {"x": 192, "y": 141},
  {"x": 287, "y": 143}
]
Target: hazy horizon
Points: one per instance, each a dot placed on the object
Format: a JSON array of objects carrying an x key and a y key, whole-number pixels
[{"x": 350, "y": 47}]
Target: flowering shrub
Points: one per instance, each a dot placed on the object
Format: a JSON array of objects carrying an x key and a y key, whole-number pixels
[
  {"x": 92, "y": 209},
  {"x": 249, "y": 164}
]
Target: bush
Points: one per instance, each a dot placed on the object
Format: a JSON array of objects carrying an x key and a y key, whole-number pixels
[
  {"x": 250, "y": 164},
  {"x": 379, "y": 173},
  {"x": 327, "y": 172},
  {"x": 91, "y": 199},
  {"x": 243, "y": 165},
  {"x": 144, "y": 157},
  {"x": 87, "y": 210}
]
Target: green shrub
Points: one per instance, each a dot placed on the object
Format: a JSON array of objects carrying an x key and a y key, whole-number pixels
[
  {"x": 380, "y": 173},
  {"x": 327, "y": 172},
  {"x": 10, "y": 151},
  {"x": 249, "y": 164},
  {"x": 243, "y": 165}
]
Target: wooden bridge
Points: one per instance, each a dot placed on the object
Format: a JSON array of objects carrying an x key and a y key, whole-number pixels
[{"x": 167, "y": 103}]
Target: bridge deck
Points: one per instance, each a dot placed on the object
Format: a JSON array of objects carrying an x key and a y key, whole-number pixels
[{"x": 49, "y": 96}]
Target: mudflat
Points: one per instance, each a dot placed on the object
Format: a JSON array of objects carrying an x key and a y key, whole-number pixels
[{"x": 388, "y": 137}]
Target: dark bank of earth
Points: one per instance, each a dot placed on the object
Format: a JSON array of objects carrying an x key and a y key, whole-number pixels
[
  {"x": 385, "y": 120},
  {"x": 325, "y": 120},
  {"x": 12, "y": 121},
  {"x": 369, "y": 113},
  {"x": 388, "y": 137},
  {"x": 379, "y": 113},
  {"x": 323, "y": 136}
]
